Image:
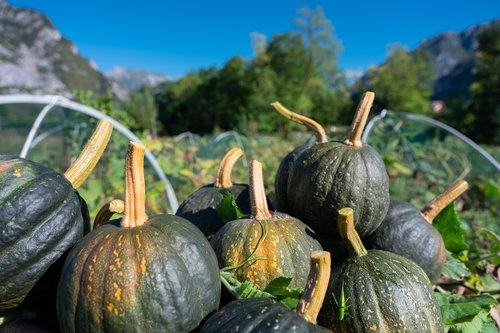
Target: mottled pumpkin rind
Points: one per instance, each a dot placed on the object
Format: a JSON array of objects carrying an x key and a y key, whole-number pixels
[
  {"x": 258, "y": 315},
  {"x": 284, "y": 252},
  {"x": 40, "y": 218},
  {"x": 330, "y": 176},
  {"x": 282, "y": 174},
  {"x": 404, "y": 231},
  {"x": 385, "y": 292},
  {"x": 158, "y": 277}
]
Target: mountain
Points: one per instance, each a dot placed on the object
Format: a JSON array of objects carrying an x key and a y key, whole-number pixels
[
  {"x": 133, "y": 79},
  {"x": 452, "y": 57},
  {"x": 36, "y": 58}
]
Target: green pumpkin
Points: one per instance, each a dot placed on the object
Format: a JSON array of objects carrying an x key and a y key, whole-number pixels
[
  {"x": 332, "y": 175},
  {"x": 282, "y": 174},
  {"x": 140, "y": 273},
  {"x": 41, "y": 217},
  {"x": 200, "y": 206},
  {"x": 380, "y": 291},
  {"x": 281, "y": 243},
  {"x": 266, "y": 315},
  {"x": 408, "y": 232}
]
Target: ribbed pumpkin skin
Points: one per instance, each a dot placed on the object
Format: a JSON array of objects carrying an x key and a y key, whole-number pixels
[
  {"x": 404, "y": 231},
  {"x": 257, "y": 315},
  {"x": 200, "y": 206},
  {"x": 289, "y": 243},
  {"x": 386, "y": 293},
  {"x": 329, "y": 176},
  {"x": 158, "y": 277},
  {"x": 281, "y": 178},
  {"x": 40, "y": 218}
]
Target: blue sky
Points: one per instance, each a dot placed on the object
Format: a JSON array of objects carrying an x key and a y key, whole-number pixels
[{"x": 174, "y": 37}]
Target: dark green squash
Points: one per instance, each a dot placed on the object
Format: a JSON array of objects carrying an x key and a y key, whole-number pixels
[
  {"x": 280, "y": 244},
  {"x": 281, "y": 178},
  {"x": 140, "y": 273},
  {"x": 41, "y": 216},
  {"x": 200, "y": 206},
  {"x": 382, "y": 291},
  {"x": 266, "y": 315},
  {"x": 409, "y": 232},
  {"x": 332, "y": 175}
]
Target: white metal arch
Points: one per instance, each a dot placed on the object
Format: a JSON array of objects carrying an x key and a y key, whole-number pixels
[
  {"x": 427, "y": 120},
  {"x": 52, "y": 100}
]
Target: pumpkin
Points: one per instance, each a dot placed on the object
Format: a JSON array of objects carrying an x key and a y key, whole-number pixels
[
  {"x": 408, "y": 232},
  {"x": 266, "y": 245},
  {"x": 139, "y": 273},
  {"x": 378, "y": 291},
  {"x": 41, "y": 216},
  {"x": 200, "y": 206},
  {"x": 281, "y": 178},
  {"x": 266, "y": 315},
  {"x": 332, "y": 175}
]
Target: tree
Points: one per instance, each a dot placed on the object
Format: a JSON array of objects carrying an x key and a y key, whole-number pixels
[
  {"x": 142, "y": 106},
  {"x": 485, "y": 89},
  {"x": 403, "y": 83}
]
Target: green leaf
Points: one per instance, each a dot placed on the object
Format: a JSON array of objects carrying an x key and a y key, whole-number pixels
[
  {"x": 495, "y": 247},
  {"x": 449, "y": 226},
  {"x": 279, "y": 287},
  {"x": 227, "y": 208},
  {"x": 454, "y": 268},
  {"x": 457, "y": 309},
  {"x": 480, "y": 324},
  {"x": 290, "y": 302},
  {"x": 247, "y": 290}
]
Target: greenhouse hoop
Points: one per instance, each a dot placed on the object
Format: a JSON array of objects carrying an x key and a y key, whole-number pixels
[{"x": 53, "y": 100}]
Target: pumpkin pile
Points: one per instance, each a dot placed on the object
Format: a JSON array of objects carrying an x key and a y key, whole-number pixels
[{"x": 197, "y": 270}]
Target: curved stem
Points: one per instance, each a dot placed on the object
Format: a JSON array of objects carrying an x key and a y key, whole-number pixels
[
  {"x": 135, "y": 188},
  {"x": 223, "y": 177},
  {"x": 260, "y": 211},
  {"x": 359, "y": 121},
  {"x": 440, "y": 202},
  {"x": 82, "y": 167},
  {"x": 318, "y": 130},
  {"x": 317, "y": 284},
  {"x": 107, "y": 211},
  {"x": 348, "y": 233}
]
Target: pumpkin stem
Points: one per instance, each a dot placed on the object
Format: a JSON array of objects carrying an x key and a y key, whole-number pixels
[
  {"x": 107, "y": 211},
  {"x": 349, "y": 233},
  {"x": 440, "y": 202},
  {"x": 318, "y": 130},
  {"x": 82, "y": 167},
  {"x": 223, "y": 177},
  {"x": 135, "y": 188},
  {"x": 317, "y": 284},
  {"x": 260, "y": 211},
  {"x": 359, "y": 121}
]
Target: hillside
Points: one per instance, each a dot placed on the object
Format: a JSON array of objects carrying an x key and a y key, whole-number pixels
[
  {"x": 36, "y": 58},
  {"x": 452, "y": 56}
]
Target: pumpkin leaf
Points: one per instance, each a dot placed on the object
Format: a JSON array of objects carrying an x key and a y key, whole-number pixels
[
  {"x": 227, "y": 209},
  {"x": 454, "y": 268},
  {"x": 457, "y": 309},
  {"x": 241, "y": 290},
  {"x": 280, "y": 287},
  {"x": 277, "y": 289},
  {"x": 494, "y": 249},
  {"x": 290, "y": 302},
  {"x": 450, "y": 227},
  {"x": 482, "y": 323}
]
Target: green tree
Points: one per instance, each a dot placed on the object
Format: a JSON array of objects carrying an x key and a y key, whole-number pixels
[
  {"x": 485, "y": 89},
  {"x": 403, "y": 83},
  {"x": 143, "y": 108}
]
